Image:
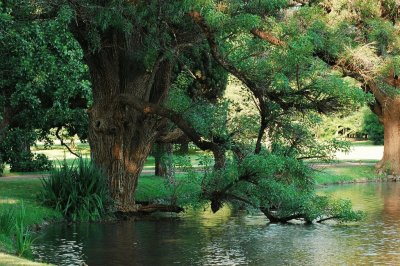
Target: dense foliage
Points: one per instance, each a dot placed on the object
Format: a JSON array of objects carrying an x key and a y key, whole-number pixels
[
  {"x": 373, "y": 128},
  {"x": 43, "y": 86}
]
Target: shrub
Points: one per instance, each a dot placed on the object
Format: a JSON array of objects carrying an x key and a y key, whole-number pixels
[
  {"x": 373, "y": 128},
  {"x": 28, "y": 162},
  {"x": 79, "y": 192}
]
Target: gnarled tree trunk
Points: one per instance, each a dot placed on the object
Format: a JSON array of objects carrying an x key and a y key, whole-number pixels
[
  {"x": 389, "y": 115},
  {"x": 121, "y": 137}
]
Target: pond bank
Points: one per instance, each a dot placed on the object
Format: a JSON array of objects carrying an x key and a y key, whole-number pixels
[
  {"x": 14, "y": 190},
  {"x": 18, "y": 198},
  {"x": 10, "y": 260}
]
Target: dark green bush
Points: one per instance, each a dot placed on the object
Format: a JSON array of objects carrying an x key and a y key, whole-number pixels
[
  {"x": 79, "y": 191},
  {"x": 28, "y": 162}
]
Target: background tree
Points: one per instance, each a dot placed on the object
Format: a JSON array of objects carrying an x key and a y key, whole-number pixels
[
  {"x": 373, "y": 127},
  {"x": 368, "y": 51},
  {"x": 43, "y": 86}
]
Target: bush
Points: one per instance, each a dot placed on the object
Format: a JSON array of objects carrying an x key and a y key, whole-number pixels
[
  {"x": 28, "y": 162},
  {"x": 373, "y": 128},
  {"x": 78, "y": 192}
]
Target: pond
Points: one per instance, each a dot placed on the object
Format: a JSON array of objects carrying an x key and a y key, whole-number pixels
[{"x": 229, "y": 239}]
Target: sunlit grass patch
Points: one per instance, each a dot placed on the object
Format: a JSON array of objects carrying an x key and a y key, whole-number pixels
[
  {"x": 9, "y": 201},
  {"x": 340, "y": 174}
]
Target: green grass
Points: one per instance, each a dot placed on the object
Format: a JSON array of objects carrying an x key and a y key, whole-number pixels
[
  {"x": 14, "y": 193},
  {"x": 341, "y": 174},
  {"x": 155, "y": 188},
  {"x": 363, "y": 143},
  {"x": 58, "y": 154}
]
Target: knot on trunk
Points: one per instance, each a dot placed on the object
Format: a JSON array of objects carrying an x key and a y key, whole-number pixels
[
  {"x": 105, "y": 121},
  {"x": 105, "y": 126}
]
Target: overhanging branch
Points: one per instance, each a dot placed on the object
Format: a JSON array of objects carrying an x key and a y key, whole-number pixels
[{"x": 176, "y": 118}]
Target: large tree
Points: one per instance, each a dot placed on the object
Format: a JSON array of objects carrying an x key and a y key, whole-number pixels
[
  {"x": 371, "y": 55},
  {"x": 131, "y": 48}
]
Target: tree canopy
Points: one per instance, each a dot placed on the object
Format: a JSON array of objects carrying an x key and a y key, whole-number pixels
[{"x": 44, "y": 85}]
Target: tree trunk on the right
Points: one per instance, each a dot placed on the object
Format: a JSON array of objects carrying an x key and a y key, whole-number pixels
[
  {"x": 390, "y": 117},
  {"x": 184, "y": 147}
]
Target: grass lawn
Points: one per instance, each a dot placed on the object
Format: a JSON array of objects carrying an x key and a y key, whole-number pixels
[
  {"x": 14, "y": 194},
  {"x": 57, "y": 154},
  {"x": 340, "y": 174},
  {"x": 152, "y": 188}
]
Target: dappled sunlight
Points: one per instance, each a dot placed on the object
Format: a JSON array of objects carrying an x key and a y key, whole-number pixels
[
  {"x": 9, "y": 201},
  {"x": 210, "y": 219}
]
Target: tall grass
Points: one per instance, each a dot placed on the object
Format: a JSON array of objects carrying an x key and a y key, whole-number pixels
[
  {"x": 79, "y": 191},
  {"x": 23, "y": 238},
  {"x": 7, "y": 220},
  {"x": 13, "y": 227}
]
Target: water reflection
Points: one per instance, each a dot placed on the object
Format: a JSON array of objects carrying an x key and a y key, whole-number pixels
[{"x": 229, "y": 239}]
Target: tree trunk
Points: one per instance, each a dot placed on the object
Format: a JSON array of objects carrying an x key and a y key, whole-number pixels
[
  {"x": 184, "y": 147},
  {"x": 390, "y": 117},
  {"x": 219, "y": 158},
  {"x": 121, "y": 137},
  {"x": 163, "y": 162}
]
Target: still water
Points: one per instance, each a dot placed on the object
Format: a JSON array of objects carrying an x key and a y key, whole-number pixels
[{"x": 229, "y": 239}]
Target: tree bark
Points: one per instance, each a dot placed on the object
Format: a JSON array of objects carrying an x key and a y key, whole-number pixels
[
  {"x": 390, "y": 116},
  {"x": 121, "y": 137},
  {"x": 163, "y": 162},
  {"x": 184, "y": 147}
]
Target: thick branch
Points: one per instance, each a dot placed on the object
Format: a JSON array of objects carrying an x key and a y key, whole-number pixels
[
  {"x": 173, "y": 136},
  {"x": 267, "y": 37},
  {"x": 149, "y": 108},
  {"x": 147, "y": 209},
  {"x": 274, "y": 219},
  {"x": 327, "y": 218}
]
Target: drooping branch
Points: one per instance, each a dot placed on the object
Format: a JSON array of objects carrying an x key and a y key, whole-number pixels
[
  {"x": 172, "y": 136},
  {"x": 150, "y": 108},
  {"x": 257, "y": 91},
  {"x": 64, "y": 144},
  {"x": 275, "y": 219},
  {"x": 327, "y": 218}
]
